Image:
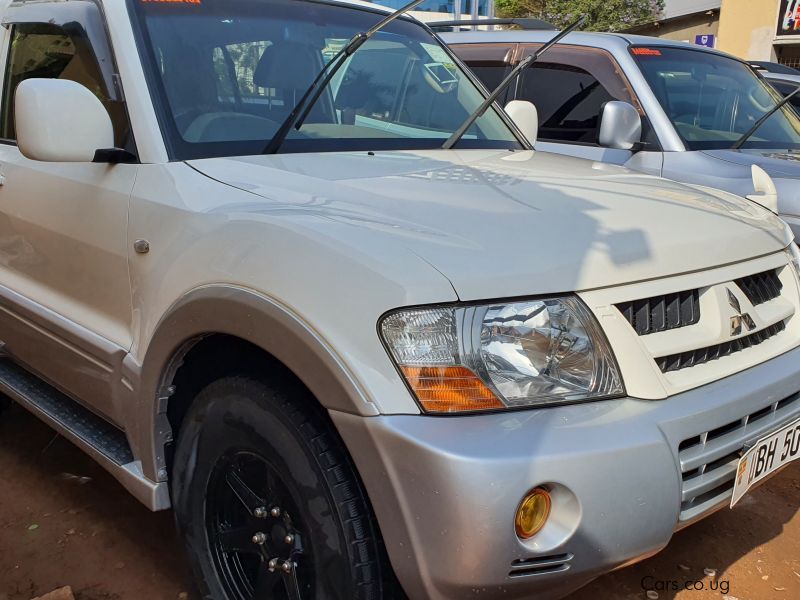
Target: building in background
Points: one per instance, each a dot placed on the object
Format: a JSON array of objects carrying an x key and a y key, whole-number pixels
[
  {"x": 761, "y": 30},
  {"x": 767, "y": 30},
  {"x": 441, "y": 10},
  {"x": 694, "y": 21}
]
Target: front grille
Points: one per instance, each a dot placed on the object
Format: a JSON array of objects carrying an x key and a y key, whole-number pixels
[
  {"x": 761, "y": 287},
  {"x": 661, "y": 313},
  {"x": 540, "y": 565},
  {"x": 691, "y": 358},
  {"x": 708, "y": 460}
]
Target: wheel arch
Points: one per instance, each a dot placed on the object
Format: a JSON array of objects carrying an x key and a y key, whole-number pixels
[{"x": 212, "y": 314}]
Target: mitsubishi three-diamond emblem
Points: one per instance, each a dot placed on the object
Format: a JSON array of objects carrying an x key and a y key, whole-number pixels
[{"x": 739, "y": 318}]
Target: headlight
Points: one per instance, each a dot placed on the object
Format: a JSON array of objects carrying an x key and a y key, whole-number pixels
[
  {"x": 794, "y": 258},
  {"x": 504, "y": 355}
]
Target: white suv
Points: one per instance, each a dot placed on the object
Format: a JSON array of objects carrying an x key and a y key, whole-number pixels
[{"x": 356, "y": 364}]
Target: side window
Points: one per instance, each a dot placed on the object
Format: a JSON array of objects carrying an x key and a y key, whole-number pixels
[
  {"x": 785, "y": 89},
  {"x": 240, "y": 79},
  {"x": 251, "y": 77},
  {"x": 43, "y": 50},
  {"x": 570, "y": 89},
  {"x": 224, "y": 72},
  {"x": 370, "y": 86},
  {"x": 236, "y": 65},
  {"x": 371, "y": 91},
  {"x": 490, "y": 75},
  {"x": 489, "y": 62}
]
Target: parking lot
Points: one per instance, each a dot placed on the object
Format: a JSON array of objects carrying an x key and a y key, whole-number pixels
[{"x": 64, "y": 521}]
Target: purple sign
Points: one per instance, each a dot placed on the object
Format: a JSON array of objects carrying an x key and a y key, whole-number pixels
[{"x": 705, "y": 40}]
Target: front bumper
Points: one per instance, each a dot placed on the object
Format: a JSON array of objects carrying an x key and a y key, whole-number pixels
[{"x": 624, "y": 474}]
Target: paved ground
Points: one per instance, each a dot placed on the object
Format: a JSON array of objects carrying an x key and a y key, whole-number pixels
[{"x": 59, "y": 529}]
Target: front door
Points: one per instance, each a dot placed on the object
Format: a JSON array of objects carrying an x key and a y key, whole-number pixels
[{"x": 65, "y": 299}]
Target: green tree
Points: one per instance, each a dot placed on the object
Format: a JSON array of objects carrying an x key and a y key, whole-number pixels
[
  {"x": 508, "y": 9},
  {"x": 603, "y": 15}
]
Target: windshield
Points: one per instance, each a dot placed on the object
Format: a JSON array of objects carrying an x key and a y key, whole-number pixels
[
  {"x": 226, "y": 73},
  {"x": 713, "y": 100}
]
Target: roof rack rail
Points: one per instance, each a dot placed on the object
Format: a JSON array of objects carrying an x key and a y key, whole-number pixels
[{"x": 527, "y": 24}]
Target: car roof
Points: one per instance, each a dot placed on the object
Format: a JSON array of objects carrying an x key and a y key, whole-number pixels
[{"x": 609, "y": 41}]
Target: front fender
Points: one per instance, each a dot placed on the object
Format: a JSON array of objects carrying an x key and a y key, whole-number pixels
[{"x": 250, "y": 316}]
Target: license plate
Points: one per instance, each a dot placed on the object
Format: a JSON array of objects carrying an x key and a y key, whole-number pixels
[{"x": 767, "y": 456}]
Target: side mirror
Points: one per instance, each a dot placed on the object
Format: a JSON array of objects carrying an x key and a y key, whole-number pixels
[
  {"x": 525, "y": 117},
  {"x": 620, "y": 126},
  {"x": 60, "y": 121}
]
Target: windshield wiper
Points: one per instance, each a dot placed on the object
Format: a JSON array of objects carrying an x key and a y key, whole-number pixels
[
  {"x": 300, "y": 110},
  {"x": 521, "y": 66},
  {"x": 740, "y": 142}
]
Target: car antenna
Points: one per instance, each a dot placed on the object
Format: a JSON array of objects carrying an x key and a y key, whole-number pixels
[
  {"x": 300, "y": 110},
  {"x": 522, "y": 65}
]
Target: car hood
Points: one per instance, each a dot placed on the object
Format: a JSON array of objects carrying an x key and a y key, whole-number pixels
[
  {"x": 502, "y": 224},
  {"x": 778, "y": 163}
]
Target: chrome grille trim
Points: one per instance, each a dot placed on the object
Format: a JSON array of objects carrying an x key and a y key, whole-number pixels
[{"x": 708, "y": 460}]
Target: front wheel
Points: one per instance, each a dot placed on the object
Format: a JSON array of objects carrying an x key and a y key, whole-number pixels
[{"x": 268, "y": 501}]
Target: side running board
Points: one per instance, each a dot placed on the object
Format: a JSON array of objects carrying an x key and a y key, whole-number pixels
[{"x": 100, "y": 439}]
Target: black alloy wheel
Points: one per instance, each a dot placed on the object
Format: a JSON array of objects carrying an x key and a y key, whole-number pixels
[
  {"x": 268, "y": 501},
  {"x": 254, "y": 531}
]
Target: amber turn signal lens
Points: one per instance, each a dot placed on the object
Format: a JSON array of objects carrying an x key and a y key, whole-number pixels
[
  {"x": 450, "y": 389},
  {"x": 532, "y": 513}
]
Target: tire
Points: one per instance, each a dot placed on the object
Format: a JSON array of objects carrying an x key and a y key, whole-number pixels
[{"x": 247, "y": 448}]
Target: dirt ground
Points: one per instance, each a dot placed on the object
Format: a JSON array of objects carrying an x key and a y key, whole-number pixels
[{"x": 64, "y": 521}]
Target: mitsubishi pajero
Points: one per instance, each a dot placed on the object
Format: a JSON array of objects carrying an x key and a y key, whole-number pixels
[{"x": 251, "y": 265}]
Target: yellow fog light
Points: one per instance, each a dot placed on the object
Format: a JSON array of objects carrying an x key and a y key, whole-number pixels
[{"x": 532, "y": 513}]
